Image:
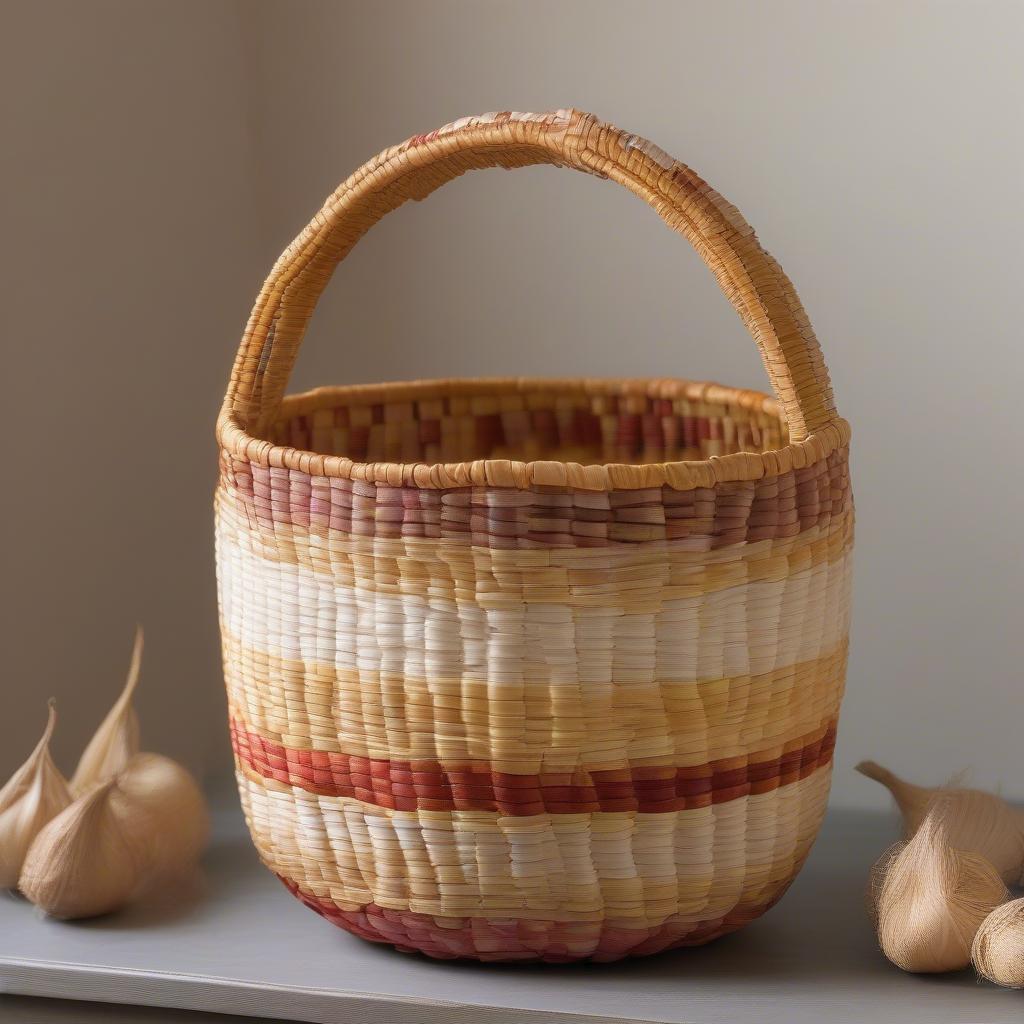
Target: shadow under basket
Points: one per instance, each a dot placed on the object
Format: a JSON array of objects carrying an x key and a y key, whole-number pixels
[{"x": 534, "y": 669}]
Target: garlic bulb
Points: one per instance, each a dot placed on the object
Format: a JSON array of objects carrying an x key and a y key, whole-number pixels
[
  {"x": 117, "y": 739},
  {"x": 975, "y": 821},
  {"x": 876, "y": 880},
  {"x": 998, "y": 950},
  {"x": 86, "y": 861},
  {"x": 34, "y": 794},
  {"x": 117, "y": 840},
  {"x": 933, "y": 898}
]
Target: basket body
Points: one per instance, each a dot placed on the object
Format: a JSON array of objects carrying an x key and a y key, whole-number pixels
[
  {"x": 539, "y": 722},
  {"x": 534, "y": 670}
]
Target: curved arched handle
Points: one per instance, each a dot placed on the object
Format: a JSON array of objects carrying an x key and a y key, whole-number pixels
[{"x": 751, "y": 279}]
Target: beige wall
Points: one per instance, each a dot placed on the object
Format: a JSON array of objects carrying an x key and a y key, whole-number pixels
[
  {"x": 165, "y": 153},
  {"x": 130, "y": 243}
]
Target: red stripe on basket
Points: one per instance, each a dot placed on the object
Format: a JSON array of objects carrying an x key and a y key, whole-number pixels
[
  {"x": 432, "y": 786},
  {"x": 775, "y": 507},
  {"x": 505, "y": 939}
]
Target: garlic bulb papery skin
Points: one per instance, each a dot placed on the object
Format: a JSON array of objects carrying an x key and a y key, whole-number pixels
[
  {"x": 163, "y": 801},
  {"x": 115, "y": 842},
  {"x": 998, "y": 950},
  {"x": 933, "y": 898},
  {"x": 36, "y": 793},
  {"x": 116, "y": 741},
  {"x": 86, "y": 861},
  {"x": 975, "y": 821},
  {"x": 876, "y": 880}
]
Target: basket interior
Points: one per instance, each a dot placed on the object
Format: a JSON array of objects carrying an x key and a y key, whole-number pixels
[{"x": 589, "y": 422}]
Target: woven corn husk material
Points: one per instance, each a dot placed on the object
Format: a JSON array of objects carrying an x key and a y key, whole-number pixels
[{"x": 526, "y": 669}]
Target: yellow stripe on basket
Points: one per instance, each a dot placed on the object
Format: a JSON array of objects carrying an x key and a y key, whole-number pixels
[
  {"x": 531, "y": 726},
  {"x": 635, "y": 868}
]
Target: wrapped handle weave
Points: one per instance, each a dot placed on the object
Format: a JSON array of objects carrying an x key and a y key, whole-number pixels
[{"x": 751, "y": 279}]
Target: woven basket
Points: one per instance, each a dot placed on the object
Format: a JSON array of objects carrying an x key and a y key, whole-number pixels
[{"x": 533, "y": 669}]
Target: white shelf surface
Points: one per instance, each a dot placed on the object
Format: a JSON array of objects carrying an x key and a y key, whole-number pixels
[{"x": 240, "y": 944}]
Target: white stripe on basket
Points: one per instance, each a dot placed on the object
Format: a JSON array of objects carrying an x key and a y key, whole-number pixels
[
  {"x": 630, "y": 868},
  {"x": 293, "y": 612}
]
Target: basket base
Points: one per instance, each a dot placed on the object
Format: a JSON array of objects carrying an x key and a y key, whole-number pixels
[{"x": 508, "y": 940}]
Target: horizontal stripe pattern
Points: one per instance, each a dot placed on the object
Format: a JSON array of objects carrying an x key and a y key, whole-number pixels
[
  {"x": 499, "y": 939},
  {"x": 642, "y": 869},
  {"x": 636, "y": 576},
  {"x": 732, "y": 512},
  {"x": 435, "y": 786}
]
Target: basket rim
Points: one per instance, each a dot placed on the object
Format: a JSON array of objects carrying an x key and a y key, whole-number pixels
[{"x": 235, "y": 440}]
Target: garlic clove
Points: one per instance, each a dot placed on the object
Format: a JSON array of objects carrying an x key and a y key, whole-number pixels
[
  {"x": 162, "y": 801},
  {"x": 998, "y": 950},
  {"x": 912, "y": 800},
  {"x": 117, "y": 739},
  {"x": 974, "y": 821},
  {"x": 933, "y": 898},
  {"x": 117, "y": 840},
  {"x": 84, "y": 862},
  {"x": 21, "y": 780},
  {"x": 35, "y": 794}
]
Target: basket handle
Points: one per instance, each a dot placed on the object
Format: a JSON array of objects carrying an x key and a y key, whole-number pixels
[{"x": 751, "y": 279}]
